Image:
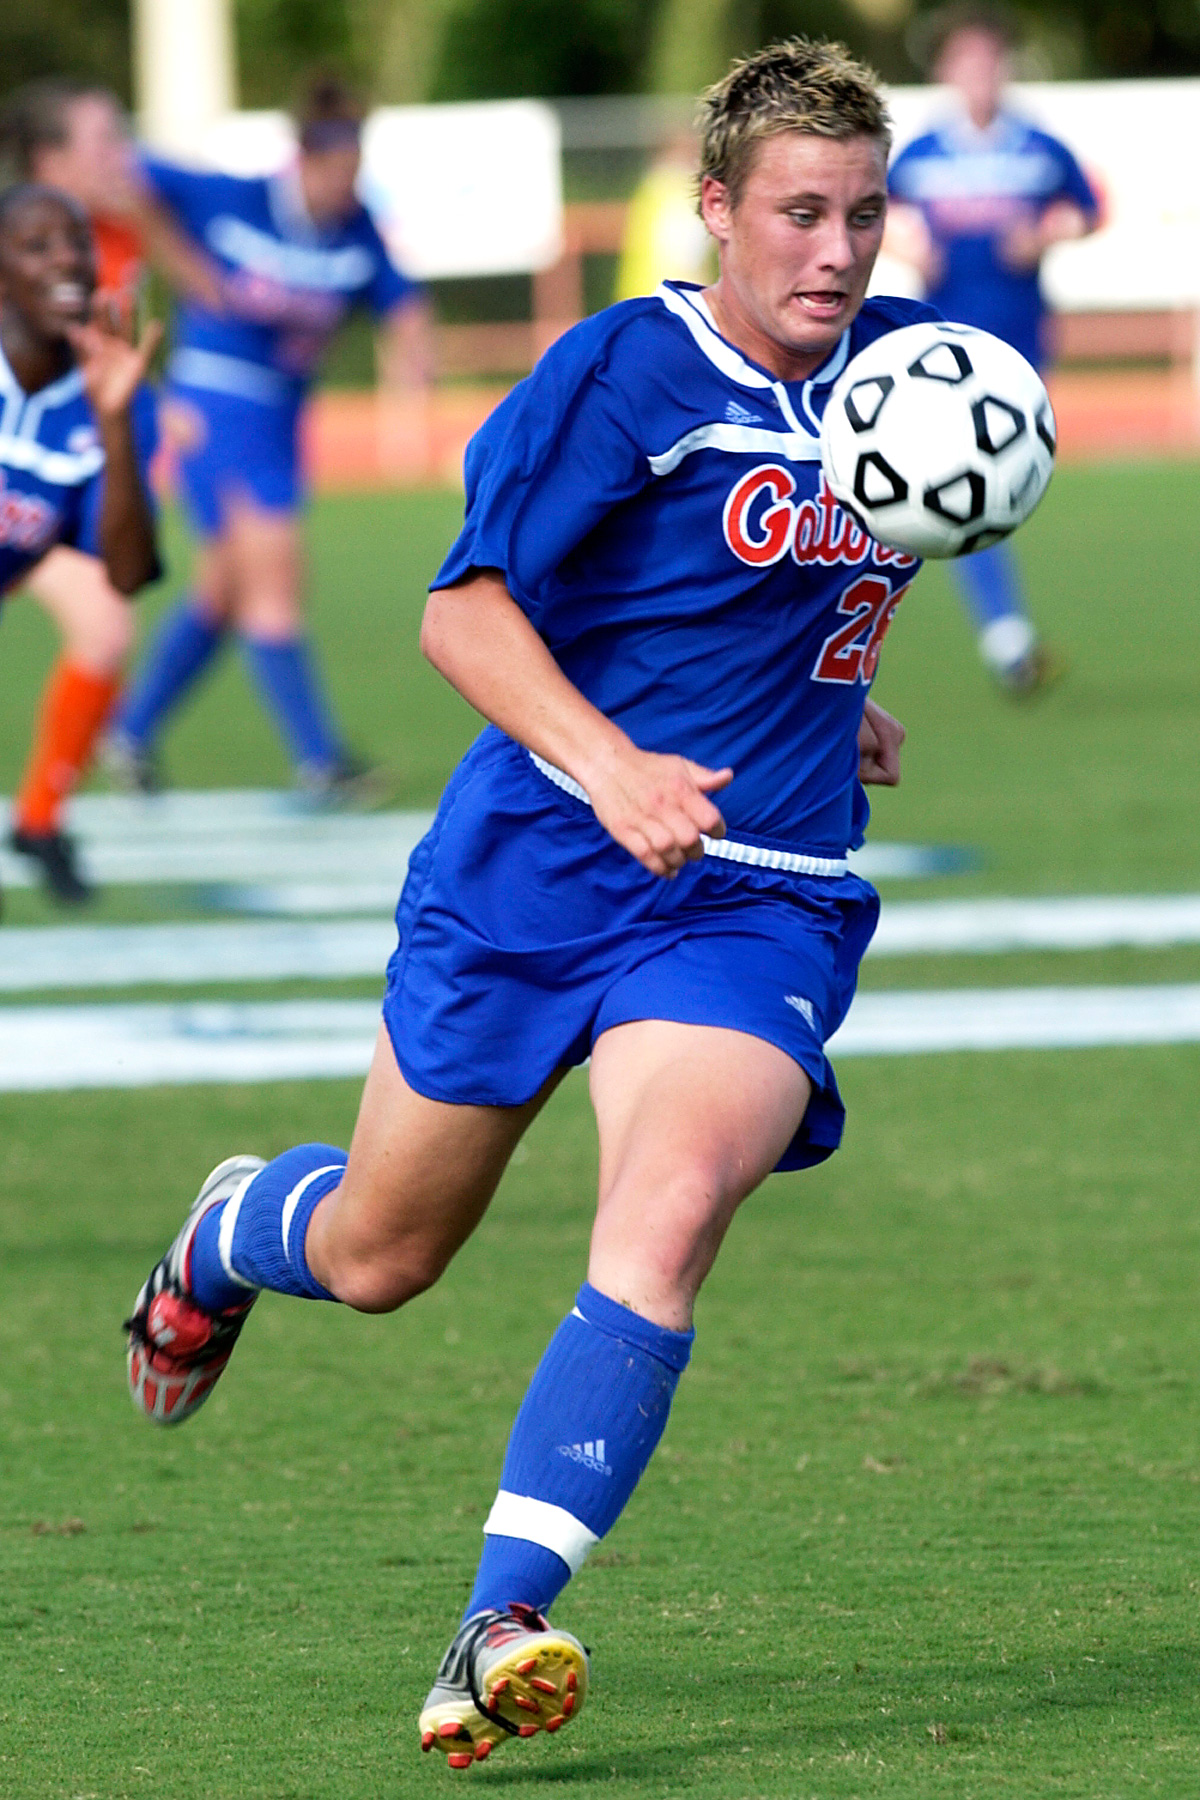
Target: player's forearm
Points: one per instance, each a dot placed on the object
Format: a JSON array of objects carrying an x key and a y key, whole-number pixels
[
  {"x": 189, "y": 269},
  {"x": 1063, "y": 223},
  {"x": 126, "y": 524},
  {"x": 480, "y": 640},
  {"x": 404, "y": 350}
]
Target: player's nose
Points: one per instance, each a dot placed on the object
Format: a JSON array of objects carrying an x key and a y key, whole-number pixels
[{"x": 837, "y": 251}]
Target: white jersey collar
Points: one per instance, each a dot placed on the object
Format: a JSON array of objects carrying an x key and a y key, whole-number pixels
[
  {"x": 55, "y": 393},
  {"x": 289, "y": 213},
  {"x": 961, "y": 132},
  {"x": 687, "y": 302}
]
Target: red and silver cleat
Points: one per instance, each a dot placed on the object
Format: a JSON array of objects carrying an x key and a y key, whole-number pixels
[
  {"x": 507, "y": 1674},
  {"x": 177, "y": 1349}
]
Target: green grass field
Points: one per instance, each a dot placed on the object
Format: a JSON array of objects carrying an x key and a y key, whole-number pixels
[{"x": 926, "y": 1521}]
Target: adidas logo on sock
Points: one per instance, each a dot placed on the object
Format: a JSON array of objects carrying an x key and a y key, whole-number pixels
[
  {"x": 741, "y": 415},
  {"x": 591, "y": 1455}
]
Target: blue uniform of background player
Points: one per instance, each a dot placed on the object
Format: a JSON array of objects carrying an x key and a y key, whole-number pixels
[
  {"x": 654, "y": 601},
  {"x": 283, "y": 260},
  {"x": 988, "y": 194},
  {"x": 77, "y": 430},
  {"x": 52, "y": 468}
]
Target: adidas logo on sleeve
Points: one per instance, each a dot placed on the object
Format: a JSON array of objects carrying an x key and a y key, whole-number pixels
[{"x": 741, "y": 415}]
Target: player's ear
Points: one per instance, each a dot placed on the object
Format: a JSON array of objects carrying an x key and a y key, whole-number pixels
[{"x": 716, "y": 207}]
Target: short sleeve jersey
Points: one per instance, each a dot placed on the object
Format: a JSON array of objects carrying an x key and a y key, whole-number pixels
[
  {"x": 972, "y": 186},
  {"x": 289, "y": 281},
  {"x": 52, "y": 469},
  {"x": 655, "y": 503}
]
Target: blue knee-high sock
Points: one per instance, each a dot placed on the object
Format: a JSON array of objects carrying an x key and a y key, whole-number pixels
[
  {"x": 990, "y": 583},
  {"x": 255, "y": 1239},
  {"x": 587, "y": 1427},
  {"x": 180, "y": 651},
  {"x": 286, "y": 676}
]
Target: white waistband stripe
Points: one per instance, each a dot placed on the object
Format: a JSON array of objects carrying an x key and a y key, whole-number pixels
[
  {"x": 755, "y": 856},
  {"x": 537, "y": 1522}
]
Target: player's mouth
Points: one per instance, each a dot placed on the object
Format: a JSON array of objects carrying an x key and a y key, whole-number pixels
[
  {"x": 824, "y": 304},
  {"x": 69, "y": 299}
]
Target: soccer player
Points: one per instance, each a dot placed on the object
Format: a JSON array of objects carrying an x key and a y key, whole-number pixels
[
  {"x": 976, "y": 205},
  {"x": 664, "y": 236},
  {"x": 660, "y": 607},
  {"x": 77, "y": 427},
  {"x": 287, "y": 255},
  {"x": 71, "y": 136}
]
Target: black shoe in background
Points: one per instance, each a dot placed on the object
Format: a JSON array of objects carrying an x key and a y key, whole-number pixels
[{"x": 56, "y": 857}]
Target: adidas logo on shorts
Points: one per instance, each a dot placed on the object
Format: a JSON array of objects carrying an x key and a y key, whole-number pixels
[
  {"x": 804, "y": 1007},
  {"x": 590, "y": 1455}
]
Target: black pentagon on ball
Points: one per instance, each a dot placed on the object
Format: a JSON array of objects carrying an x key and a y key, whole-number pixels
[
  {"x": 998, "y": 424},
  {"x": 943, "y": 500},
  {"x": 872, "y": 463},
  {"x": 864, "y": 402},
  {"x": 920, "y": 370},
  {"x": 1045, "y": 427},
  {"x": 983, "y": 540}
]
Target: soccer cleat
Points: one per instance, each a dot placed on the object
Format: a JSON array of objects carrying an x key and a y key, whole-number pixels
[
  {"x": 177, "y": 1348},
  {"x": 348, "y": 785},
  {"x": 507, "y": 1674},
  {"x": 55, "y": 855},
  {"x": 1033, "y": 674},
  {"x": 131, "y": 766}
]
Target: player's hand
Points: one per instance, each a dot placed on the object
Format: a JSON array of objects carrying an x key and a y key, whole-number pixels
[
  {"x": 112, "y": 367},
  {"x": 908, "y": 238},
  {"x": 656, "y": 807},
  {"x": 1022, "y": 245},
  {"x": 879, "y": 740}
]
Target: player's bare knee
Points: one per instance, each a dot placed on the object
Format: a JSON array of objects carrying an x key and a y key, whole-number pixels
[{"x": 381, "y": 1284}]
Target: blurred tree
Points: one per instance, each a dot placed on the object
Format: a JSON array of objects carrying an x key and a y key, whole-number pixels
[
  {"x": 495, "y": 48},
  {"x": 55, "y": 37},
  {"x": 454, "y": 49},
  {"x": 278, "y": 41}
]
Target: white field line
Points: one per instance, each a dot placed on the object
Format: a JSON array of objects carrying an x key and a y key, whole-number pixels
[
  {"x": 1051, "y": 1018},
  {"x": 942, "y": 927},
  {"x": 310, "y": 860},
  {"x": 68, "y": 1047},
  {"x": 99, "y": 956}
]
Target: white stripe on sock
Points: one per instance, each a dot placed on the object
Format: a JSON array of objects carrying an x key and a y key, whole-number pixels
[
  {"x": 229, "y": 1217},
  {"x": 293, "y": 1200},
  {"x": 520, "y": 1516}
]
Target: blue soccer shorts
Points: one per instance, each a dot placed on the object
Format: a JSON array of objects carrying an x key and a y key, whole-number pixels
[
  {"x": 526, "y": 932},
  {"x": 240, "y": 448}
]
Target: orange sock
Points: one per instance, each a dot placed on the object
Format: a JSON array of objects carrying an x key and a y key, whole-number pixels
[{"x": 75, "y": 705}]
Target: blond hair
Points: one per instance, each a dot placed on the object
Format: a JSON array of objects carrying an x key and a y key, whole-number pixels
[{"x": 798, "y": 85}]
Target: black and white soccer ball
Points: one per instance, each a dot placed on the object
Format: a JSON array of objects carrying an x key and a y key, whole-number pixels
[{"x": 939, "y": 438}]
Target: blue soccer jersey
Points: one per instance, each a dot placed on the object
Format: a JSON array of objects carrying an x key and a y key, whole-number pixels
[
  {"x": 972, "y": 186},
  {"x": 289, "y": 282},
  {"x": 655, "y": 504},
  {"x": 52, "y": 468}
]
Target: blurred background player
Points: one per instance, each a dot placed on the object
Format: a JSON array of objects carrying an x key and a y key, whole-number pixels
[
  {"x": 73, "y": 137},
  {"x": 976, "y": 204},
  {"x": 286, "y": 256},
  {"x": 665, "y": 237},
  {"x": 78, "y": 426}
]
